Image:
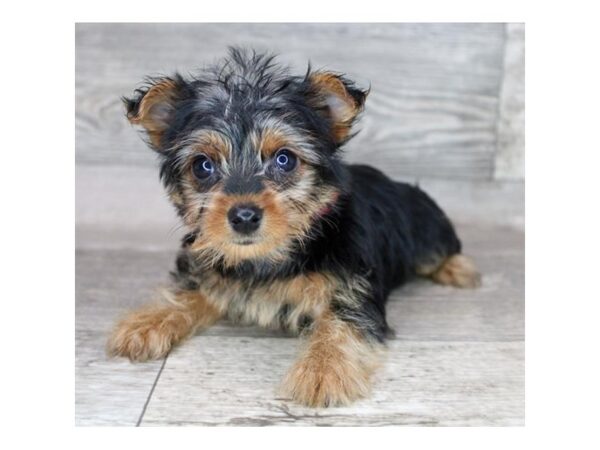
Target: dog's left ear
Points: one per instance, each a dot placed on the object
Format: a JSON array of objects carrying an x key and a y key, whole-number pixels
[
  {"x": 153, "y": 107},
  {"x": 338, "y": 100}
]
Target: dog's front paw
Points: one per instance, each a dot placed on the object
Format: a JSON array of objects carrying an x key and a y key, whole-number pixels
[
  {"x": 318, "y": 383},
  {"x": 148, "y": 334}
]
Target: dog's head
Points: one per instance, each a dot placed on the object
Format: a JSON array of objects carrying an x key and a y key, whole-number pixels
[{"x": 249, "y": 152}]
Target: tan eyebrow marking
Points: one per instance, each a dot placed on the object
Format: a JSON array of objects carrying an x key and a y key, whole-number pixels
[
  {"x": 269, "y": 140},
  {"x": 213, "y": 144}
]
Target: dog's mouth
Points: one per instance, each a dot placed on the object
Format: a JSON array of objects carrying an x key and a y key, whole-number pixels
[{"x": 246, "y": 241}]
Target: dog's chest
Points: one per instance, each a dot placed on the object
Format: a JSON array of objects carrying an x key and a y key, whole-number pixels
[{"x": 290, "y": 304}]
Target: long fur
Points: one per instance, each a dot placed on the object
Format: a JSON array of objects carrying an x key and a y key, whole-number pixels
[{"x": 335, "y": 239}]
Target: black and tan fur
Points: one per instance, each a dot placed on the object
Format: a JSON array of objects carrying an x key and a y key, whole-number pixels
[{"x": 328, "y": 241}]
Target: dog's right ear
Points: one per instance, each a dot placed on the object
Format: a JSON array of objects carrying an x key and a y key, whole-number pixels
[
  {"x": 153, "y": 106},
  {"x": 338, "y": 100}
]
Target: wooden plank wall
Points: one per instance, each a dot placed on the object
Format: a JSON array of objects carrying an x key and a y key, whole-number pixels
[
  {"x": 433, "y": 111},
  {"x": 510, "y": 147}
]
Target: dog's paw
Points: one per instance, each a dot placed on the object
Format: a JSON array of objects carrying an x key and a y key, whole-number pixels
[
  {"x": 314, "y": 384},
  {"x": 459, "y": 271},
  {"x": 148, "y": 334}
]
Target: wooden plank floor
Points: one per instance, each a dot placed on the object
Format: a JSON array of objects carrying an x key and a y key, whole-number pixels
[{"x": 457, "y": 358}]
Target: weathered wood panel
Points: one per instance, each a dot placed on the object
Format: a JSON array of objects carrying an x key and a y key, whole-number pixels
[
  {"x": 510, "y": 153},
  {"x": 107, "y": 284},
  {"x": 457, "y": 358},
  {"x": 432, "y": 110},
  {"x": 109, "y": 392},
  {"x": 232, "y": 381}
]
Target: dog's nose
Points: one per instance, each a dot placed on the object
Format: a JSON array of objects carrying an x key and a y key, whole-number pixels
[{"x": 245, "y": 218}]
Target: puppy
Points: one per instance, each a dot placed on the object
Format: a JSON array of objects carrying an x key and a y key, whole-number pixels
[{"x": 282, "y": 233}]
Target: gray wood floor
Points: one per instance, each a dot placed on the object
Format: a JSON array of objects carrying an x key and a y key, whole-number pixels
[
  {"x": 457, "y": 358},
  {"x": 446, "y": 110}
]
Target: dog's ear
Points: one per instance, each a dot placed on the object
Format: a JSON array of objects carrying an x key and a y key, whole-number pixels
[
  {"x": 338, "y": 100},
  {"x": 153, "y": 106}
]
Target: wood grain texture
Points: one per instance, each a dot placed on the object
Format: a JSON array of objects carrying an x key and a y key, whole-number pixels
[
  {"x": 232, "y": 381},
  {"x": 456, "y": 359},
  {"x": 510, "y": 153},
  {"x": 107, "y": 284},
  {"x": 432, "y": 109},
  {"x": 109, "y": 392}
]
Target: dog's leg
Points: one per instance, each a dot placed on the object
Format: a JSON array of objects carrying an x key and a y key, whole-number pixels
[
  {"x": 150, "y": 332},
  {"x": 336, "y": 366},
  {"x": 457, "y": 270}
]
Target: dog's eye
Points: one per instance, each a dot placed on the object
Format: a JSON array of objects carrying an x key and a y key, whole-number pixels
[
  {"x": 285, "y": 160},
  {"x": 202, "y": 167}
]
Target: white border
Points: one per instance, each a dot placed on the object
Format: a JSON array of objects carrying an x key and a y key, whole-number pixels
[{"x": 562, "y": 223}]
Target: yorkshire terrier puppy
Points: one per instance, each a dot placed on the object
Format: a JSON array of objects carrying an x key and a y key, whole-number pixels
[{"x": 282, "y": 233}]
